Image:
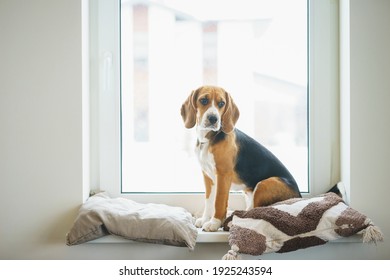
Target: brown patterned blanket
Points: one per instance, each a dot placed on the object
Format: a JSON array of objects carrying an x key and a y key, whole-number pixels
[{"x": 295, "y": 224}]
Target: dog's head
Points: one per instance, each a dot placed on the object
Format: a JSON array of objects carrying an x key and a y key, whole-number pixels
[{"x": 210, "y": 108}]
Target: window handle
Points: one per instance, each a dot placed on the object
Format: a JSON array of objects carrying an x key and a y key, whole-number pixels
[{"x": 107, "y": 71}]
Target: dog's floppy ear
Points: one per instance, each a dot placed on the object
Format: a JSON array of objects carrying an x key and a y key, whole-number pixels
[
  {"x": 188, "y": 110},
  {"x": 230, "y": 116}
]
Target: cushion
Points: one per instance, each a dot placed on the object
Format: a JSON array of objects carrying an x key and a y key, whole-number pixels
[
  {"x": 101, "y": 215},
  {"x": 295, "y": 224}
]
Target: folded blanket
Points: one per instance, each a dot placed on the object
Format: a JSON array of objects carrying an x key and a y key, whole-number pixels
[
  {"x": 295, "y": 224},
  {"x": 154, "y": 223}
]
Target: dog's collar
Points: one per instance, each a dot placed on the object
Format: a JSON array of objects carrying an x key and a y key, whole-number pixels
[
  {"x": 208, "y": 137},
  {"x": 202, "y": 143}
]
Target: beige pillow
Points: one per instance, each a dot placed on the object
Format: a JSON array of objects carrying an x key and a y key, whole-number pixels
[{"x": 154, "y": 223}]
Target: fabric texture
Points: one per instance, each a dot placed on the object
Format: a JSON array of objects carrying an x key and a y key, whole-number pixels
[
  {"x": 295, "y": 224},
  {"x": 101, "y": 215}
]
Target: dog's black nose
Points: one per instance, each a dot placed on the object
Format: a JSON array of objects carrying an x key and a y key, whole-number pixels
[{"x": 212, "y": 119}]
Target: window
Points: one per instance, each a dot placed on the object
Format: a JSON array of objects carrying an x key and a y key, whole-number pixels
[
  {"x": 145, "y": 62},
  {"x": 258, "y": 52}
]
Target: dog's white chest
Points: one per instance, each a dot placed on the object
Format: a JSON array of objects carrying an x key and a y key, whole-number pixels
[{"x": 206, "y": 160}]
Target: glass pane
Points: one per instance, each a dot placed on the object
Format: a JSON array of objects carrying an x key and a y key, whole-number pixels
[{"x": 256, "y": 50}]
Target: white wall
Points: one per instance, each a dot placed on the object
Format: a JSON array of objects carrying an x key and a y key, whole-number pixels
[
  {"x": 41, "y": 135},
  {"x": 369, "y": 111},
  {"x": 40, "y": 125}
]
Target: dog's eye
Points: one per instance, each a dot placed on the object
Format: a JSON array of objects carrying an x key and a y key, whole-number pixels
[
  {"x": 221, "y": 104},
  {"x": 204, "y": 101}
]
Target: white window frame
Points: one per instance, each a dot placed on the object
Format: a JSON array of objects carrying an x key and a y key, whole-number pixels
[{"x": 105, "y": 86}]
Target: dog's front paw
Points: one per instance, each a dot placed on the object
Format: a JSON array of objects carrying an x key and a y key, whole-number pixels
[
  {"x": 201, "y": 221},
  {"x": 212, "y": 225}
]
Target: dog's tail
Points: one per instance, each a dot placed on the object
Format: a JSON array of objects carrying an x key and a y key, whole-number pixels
[{"x": 339, "y": 190}]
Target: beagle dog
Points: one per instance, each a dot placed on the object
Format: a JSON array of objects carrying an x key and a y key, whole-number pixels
[{"x": 230, "y": 159}]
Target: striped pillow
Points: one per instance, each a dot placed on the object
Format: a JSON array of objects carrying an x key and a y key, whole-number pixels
[{"x": 295, "y": 224}]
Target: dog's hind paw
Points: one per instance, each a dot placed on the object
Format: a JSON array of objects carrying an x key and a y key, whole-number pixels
[{"x": 212, "y": 225}]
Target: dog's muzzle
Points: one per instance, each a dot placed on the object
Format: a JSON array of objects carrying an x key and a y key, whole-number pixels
[
  {"x": 212, "y": 119},
  {"x": 212, "y": 122}
]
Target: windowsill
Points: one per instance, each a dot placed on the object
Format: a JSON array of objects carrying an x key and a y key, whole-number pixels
[{"x": 214, "y": 237}]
